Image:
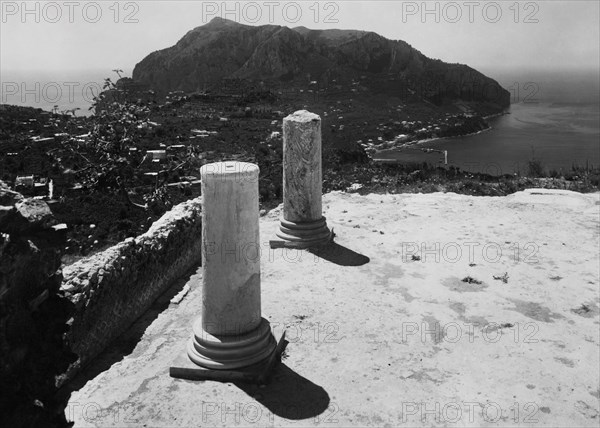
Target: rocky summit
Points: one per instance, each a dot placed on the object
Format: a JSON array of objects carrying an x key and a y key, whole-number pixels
[{"x": 224, "y": 49}]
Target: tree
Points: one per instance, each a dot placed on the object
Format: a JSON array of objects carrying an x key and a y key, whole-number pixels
[
  {"x": 116, "y": 126},
  {"x": 121, "y": 122}
]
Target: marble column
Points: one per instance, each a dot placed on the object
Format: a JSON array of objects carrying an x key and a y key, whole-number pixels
[
  {"x": 231, "y": 332},
  {"x": 303, "y": 224}
]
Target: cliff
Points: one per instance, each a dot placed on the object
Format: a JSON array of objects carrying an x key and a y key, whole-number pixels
[{"x": 276, "y": 54}]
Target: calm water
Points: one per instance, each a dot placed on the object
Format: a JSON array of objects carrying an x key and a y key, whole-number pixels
[
  {"x": 560, "y": 135},
  {"x": 45, "y": 89},
  {"x": 555, "y": 117}
]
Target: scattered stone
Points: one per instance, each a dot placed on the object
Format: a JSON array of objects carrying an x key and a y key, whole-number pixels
[
  {"x": 586, "y": 310},
  {"x": 179, "y": 297},
  {"x": 354, "y": 187},
  {"x": 28, "y": 215},
  {"x": 503, "y": 278},
  {"x": 35, "y": 211},
  {"x": 583, "y": 309},
  {"x": 8, "y": 196}
]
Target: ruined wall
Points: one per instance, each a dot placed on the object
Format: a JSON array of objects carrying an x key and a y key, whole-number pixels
[
  {"x": 33, "y": 314},
  {"x": 113, "y": 288}
]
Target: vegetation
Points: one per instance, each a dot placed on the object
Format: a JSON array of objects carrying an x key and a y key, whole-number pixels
[
  {"x": 535, "y": 167},
  {"x": 109, "y": 150},
  {"x": 107, "y": 187}
]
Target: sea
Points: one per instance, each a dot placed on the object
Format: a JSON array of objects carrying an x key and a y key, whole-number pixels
[
  {"x": 45, "y": 89},
  {"x": 554, "y": 118}
]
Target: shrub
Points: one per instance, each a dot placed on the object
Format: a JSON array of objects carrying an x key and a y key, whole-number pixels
[{"x": 535, "y": 168}]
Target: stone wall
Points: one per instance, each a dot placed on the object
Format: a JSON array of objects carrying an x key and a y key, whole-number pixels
[{"x": 111, "y": 289}]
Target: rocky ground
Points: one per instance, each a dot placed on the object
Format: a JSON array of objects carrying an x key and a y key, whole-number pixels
[
  {"x": 429, "y": 310},
  {"x": 33, "y": 314}
]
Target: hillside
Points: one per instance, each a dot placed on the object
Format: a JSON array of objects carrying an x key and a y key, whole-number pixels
[{"x": 330, "y": 60}]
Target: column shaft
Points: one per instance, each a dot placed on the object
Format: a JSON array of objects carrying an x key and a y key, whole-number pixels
[
  {"x": 302, "y": 180},
  {"x": 231, "y": 248}
]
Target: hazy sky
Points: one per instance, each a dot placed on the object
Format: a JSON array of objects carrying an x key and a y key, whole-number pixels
[{"x": 489, "y": 36}]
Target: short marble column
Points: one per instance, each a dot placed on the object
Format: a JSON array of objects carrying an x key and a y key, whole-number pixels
[
  {"x": 303, "y": 224},
  {"x": 231, "y": 332}
]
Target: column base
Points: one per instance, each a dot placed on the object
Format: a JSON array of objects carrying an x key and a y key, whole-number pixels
[
  {"x": 259, "y": 373},
  {"x": 304, "y": 234},
  {"x": 230, "y": 352}
]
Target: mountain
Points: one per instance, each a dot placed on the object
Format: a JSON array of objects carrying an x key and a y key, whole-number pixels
[{"x": 282, "y": 55}]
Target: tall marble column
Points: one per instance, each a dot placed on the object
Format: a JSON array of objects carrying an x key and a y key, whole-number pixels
[
  {"x": 303, "y": 224},
  {"x": 231, "y": 332}
]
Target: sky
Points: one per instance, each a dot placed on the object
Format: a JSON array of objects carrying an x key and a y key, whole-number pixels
[{"x": 489, "y": 36}]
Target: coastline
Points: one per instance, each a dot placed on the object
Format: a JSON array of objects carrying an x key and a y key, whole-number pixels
[
  {"x": 491, "y": 116},
  {"x": 559, "y": 139},
  {"x": 426, "y": 140},
  {"x": 374, "y": 151}
]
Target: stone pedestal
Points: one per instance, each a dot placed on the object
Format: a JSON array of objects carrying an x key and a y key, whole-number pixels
[
  {"x": 303, "y": 224},
  {"x": 231, "y": 332}
]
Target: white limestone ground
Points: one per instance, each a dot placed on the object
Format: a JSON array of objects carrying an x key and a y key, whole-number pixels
[{"x": 364, "y": 347}]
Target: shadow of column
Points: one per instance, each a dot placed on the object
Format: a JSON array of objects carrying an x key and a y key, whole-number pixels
[
  {"x": 340, "y": 255},
  {"x": 289, "y": 395}
]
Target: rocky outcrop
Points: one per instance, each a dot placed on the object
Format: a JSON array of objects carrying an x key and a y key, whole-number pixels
[
  {"x": 113, "y": 288},
  {"x": 226, "y": 49},
  {"x": 33, "y": 313}
]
